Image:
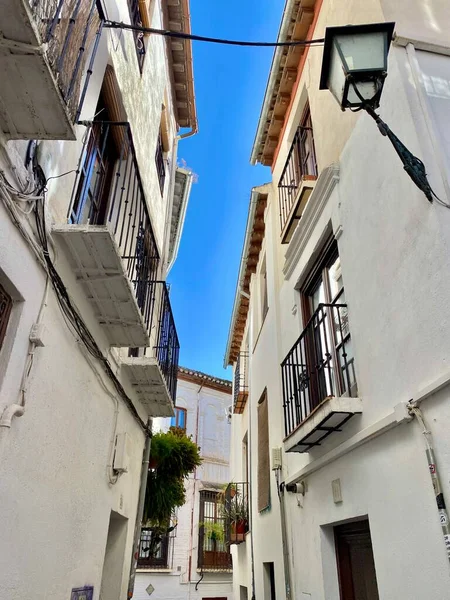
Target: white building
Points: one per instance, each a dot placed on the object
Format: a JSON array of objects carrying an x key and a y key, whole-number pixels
[
  {"x": 89, "y": 221},
  {"x": 342, "y": 502},
  {"x": 189, "y": 564}
]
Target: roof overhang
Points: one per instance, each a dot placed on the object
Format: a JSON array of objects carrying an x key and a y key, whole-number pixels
[
  {"x": 177, "y": 18},
  {"x": 254, "y": 236},
  {"x": 181, "y": 193},
  {"x": 205, "y": 380},
  {"x": 298, "y": 16}
]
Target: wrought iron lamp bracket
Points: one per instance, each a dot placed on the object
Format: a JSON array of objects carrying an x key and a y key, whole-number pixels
[{"x": 412, "y": 165}]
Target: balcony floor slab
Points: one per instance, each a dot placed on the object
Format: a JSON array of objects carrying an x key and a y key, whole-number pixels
[
  {"x": 328, "y": 417},
  {"x": 147, "y": 379},
  {"x": 95, "y": 260},
  {"x": 31, "y": 105}
]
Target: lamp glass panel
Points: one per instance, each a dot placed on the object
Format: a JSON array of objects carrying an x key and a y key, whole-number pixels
[
  {"x": 363, "y": 51},
  {"x": 367, "y": 89},
  {"x": 336, "y": 78}
]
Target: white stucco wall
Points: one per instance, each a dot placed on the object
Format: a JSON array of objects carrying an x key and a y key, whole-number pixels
[
  {"x": 393, "y": 246},
  {"x": 207, "y": 423},
  {"x": 55, "y": 493}
]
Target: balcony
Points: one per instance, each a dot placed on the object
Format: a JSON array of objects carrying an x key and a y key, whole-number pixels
[
  {"x": 153, "y": 549},
  {"x": 213, "y": 552},
  {"x": 109, "y": 239},
  {"x": 47, "y": 46},
  {"x": 240, "y": 383},
  {"x": 154, "y": 374},
  {"x": 297, "y": 179},
  {"x": 235, "y": 511},
  {"x": 319, "y": 383}
]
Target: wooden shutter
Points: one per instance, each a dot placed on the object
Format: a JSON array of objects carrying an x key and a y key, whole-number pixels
[{"x": 263, "y": 455}]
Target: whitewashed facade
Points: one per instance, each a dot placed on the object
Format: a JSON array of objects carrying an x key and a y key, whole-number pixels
[
  {"x": 73, "y": 420},
  {"x": 365, "y": 228},
  {"x": 207, "y": 401}
]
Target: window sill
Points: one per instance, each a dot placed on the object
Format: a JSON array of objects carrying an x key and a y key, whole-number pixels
[
  {"x": 324, "y": 420},
  {"x": 153, "y": 570},
  {"x": 215, "y": 570}
]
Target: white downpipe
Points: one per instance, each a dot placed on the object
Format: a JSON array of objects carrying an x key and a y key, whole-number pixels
[{"x": 11, "y": 411}]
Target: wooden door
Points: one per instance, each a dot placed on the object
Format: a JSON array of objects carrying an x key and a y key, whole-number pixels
[{"x": 356, "y": 566}]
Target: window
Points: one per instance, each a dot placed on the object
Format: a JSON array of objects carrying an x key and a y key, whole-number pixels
[
  {"x": 300, "y": 166},
  {"x": 159, "y": 160},
  {"x": 213, "y": 552},
  {"x": 263, "y": 455},
  {"x": 5, "y": 312},
  {"x": 179, "y": 420},
  {"x": 139, "y": 39},
  {"x": 356, "y": 566},
  {"x": 323, "y": 305},
  {"x": 153, "y": 549}
]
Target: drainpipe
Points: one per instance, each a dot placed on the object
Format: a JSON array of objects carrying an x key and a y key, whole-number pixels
[
  {"x": 250, "y": 493},
  {"x": 414, "y": 409},
  {"x": 284, "y": 539},
  {"x": 191, "y": 545},
  {"x": 140, "y": 508}
]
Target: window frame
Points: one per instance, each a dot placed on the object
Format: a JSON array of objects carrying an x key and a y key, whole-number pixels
[
  {"x": 221, "y": 558},
  {"x": 179, "y": 410},
  {"x": 6, "y": 306}
]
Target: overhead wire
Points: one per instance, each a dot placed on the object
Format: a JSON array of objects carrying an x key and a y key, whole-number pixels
[
  {"x": 212, "y": 40},
  {"x": 71, "y": 316}
]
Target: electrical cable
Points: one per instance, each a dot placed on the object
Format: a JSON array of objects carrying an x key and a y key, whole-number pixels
[
  {"x": 72, "y": 317},
  {"x": 201, "y": 38}
]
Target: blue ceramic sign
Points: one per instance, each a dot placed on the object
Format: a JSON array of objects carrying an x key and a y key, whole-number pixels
[{"x": 85, "y": 593}]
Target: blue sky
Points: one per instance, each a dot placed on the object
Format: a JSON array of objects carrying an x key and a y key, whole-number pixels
[{"x": 229, "y": 85}]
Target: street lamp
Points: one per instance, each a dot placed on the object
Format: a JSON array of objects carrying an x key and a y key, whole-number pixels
[{"x": 354, "y": 68}]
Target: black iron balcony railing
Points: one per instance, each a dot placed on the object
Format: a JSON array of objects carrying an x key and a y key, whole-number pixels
[
  {"x": 139, "y": 39},
  {"x": 319, "y": 365},
  {"x": 300, "y": 166},
  {"x": 164, "y": 336},
  {"x": 71, "y": 29},
  {"x": 240, "y": 383},
  {"x": 160, "y": 166},
  {"x": 108, "y": 191},
  {"x": 213, "y": 552},
  {"x": 235, "y": 510},
  {"x": 153, "y": 549}
]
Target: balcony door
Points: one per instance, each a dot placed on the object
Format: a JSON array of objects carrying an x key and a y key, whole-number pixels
[{"x": 329, "y": 356}]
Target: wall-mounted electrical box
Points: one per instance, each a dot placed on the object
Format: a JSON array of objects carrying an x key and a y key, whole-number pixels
[
  {"x": 121, "y": 453},
  {"x": 277, "y": 459}
]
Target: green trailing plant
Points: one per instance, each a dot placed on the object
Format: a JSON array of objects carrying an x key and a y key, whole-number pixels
[
  {"x": 213, "y": 530},
  {"x": 173, "y": 456}
]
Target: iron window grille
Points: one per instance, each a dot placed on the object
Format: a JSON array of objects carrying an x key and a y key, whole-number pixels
[
  {"x": 153, "y": 549},
  {"x": 160, "y": 164},
  {"x": 6, "y": 304},
  {"x": 213, "y": 552},
  {"x": 139, "y": 37},
  {"x": 300, "y": 164}
]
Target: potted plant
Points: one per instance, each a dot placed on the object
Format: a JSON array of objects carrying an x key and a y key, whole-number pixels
[
  {"x": 235, "y": 511},
  {"x": 213, "y": 530}
]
